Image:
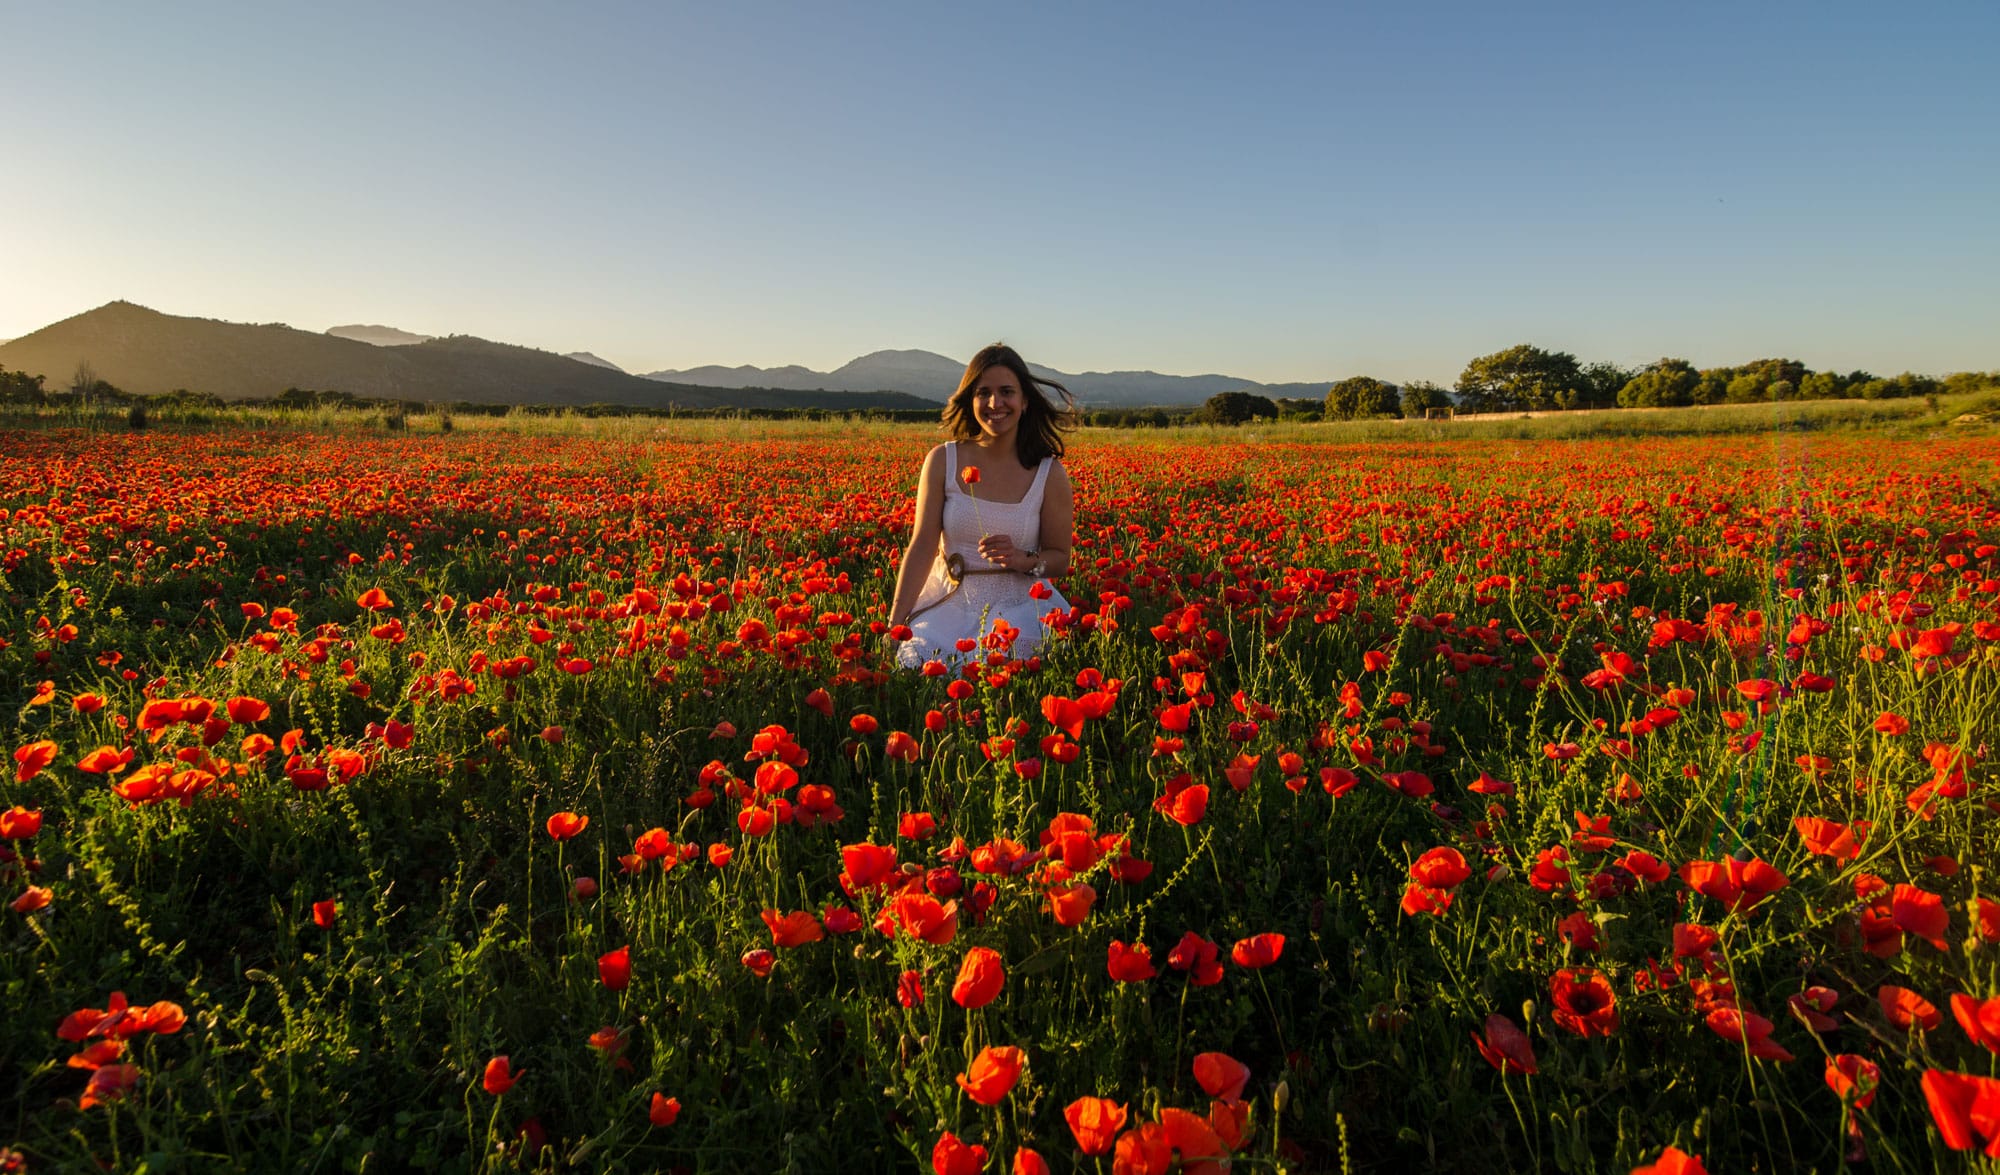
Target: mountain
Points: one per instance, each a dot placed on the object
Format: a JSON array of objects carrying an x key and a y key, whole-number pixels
[
  {"x": 141, "y": 350},
  {"x": 929, "y": 374},
  {"x": 380, "y": 336},
  {"x": 594, "y": 360}
]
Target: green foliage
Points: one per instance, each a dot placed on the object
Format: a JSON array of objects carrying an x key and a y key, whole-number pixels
[
  {"x": 1523, "y": 378},
  {"x": 1238, "y": 408},
  {"x": 1420, "y": 396},
  {"x": 1669, "y": 383},
  {"x": 1360, "y": 397}
]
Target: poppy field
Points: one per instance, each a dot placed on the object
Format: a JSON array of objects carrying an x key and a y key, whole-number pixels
[{"x": 474, "y": 800}]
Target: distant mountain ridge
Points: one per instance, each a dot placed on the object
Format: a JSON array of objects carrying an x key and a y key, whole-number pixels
[
  {"x": 142, "y": 350},
  {"x": 929, "y": 374},
  {"x": 380, "y": 336}
]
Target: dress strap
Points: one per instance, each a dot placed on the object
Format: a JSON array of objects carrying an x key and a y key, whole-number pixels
[{"x": 950, "y": 466}]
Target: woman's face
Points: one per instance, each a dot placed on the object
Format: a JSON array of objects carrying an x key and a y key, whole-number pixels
[{"x": 997, "y": 402}]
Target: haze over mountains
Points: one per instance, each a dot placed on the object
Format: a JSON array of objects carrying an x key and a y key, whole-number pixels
[
  {"x": 142, "y": 350},
  {"x": 927, "y": 373}
]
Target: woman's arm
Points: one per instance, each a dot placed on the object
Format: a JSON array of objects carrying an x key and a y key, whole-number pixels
[
  {"x": 1058, "y": 524},
  {"x": 924, "y": 536}
]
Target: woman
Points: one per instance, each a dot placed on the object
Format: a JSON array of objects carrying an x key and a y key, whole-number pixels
[{"x": 994, "y": 515}]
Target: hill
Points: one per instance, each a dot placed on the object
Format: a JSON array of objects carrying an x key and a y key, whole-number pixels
[
  {"x": 927, "y": 373},
  {"x": 141, "y": 350}
]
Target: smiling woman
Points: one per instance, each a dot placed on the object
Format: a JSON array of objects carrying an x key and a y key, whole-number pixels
[{"x": 994, "y": 516}]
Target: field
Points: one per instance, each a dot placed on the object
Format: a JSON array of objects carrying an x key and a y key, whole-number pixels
[{"x": 545, "y": 799}]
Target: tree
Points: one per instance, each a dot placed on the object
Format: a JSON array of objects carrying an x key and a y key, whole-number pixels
[
  {"x": 1822, "y": 385},
  {"x": 18, "y": 387},
  {"x": 1420, "y": 396},
  {"x": 1291, "y": 408},
  {"x": 1238, "y": 408},
  {"x": 1359, "y": 397},
  {"x": 1670, "y": 383},
  {"x": 1522, "y": 378},
  {"x": 1602, "y": 382},
  {"x": 1745, "y": 389}
]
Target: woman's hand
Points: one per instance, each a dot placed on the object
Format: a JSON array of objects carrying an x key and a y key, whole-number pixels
[{"x": 1000, "y": 548}]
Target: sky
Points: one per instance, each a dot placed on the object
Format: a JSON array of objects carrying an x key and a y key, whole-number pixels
[{"x": 1278, "y": 192}]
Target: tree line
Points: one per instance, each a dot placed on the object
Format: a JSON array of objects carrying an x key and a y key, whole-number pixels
[{"x": 1527, "y": 378}]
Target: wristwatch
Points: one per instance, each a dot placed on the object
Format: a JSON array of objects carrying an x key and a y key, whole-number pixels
[{"x": 1041, "y": 566}]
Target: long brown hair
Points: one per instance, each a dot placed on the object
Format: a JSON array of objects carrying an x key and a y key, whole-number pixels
[{"x": 1042, "y": 419}]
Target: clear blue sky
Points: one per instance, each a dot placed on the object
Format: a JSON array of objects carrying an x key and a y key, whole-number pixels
[{"x": 1279, "y": 192}]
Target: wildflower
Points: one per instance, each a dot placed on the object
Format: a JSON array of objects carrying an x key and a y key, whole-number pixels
[
  {"x": 1129, "y": 964},
  {"x": 663, "y": 1111},
  {"x": 615, "y": 968},
  {"x": 564, "y": 825},
  {"x": 794, "y": 929},
  {"x": 1095, "y": 1122},
  {"x": 1584, "y": 1002},
  {"x": 1221, "y": 1075},
  {"x": 980, "y": 978},
  {"x": 1506, "y": 1047},
  {"x": 500, "y": 1076},
  {"x": 992, "y": 1074},
  {"x": 1259, "y": 950}
]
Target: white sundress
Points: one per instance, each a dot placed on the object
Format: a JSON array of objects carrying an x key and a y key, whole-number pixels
[{"x": 943, "y": 617}]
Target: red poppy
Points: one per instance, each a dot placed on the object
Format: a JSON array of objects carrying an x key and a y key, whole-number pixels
[
  {"x": 1965, "y": 1109},
  {"x": 108, "y": 1083},
  {"x": 952, "y": 1157},
  {"x": 980, "y": 978},
  {"x": 1440, "y": 868},
  {"x": 326, "y": 913},
  {"x": 910, "y": 989},
  {"x": 969, "y": 475},
  {"x": 106, "y": 760},
  {"x": 759, "y": 961},
  {"x": 1584, "y": 1001},
  {"x": 992, "y": 1074},
  {"x": 1142, "y": 1150},
  {"x": 1199, "y": 957},
  {"x": 1906, "y": 1009},
  {"x": 1070, "y": 904},
  {"x": 1192, "y": 1137},
  {"x": 35, "y": 897},
  {"x": 922, "y": 916},
  {"x": 1891, "y": 724},
  {"x": 794, "y": 929},
  {"x": 1095, "y": 1122},
  {"x": 1921, "y": 913},
  {"x": 1853, "y": 1078},
  {"x": 32, "y": 758},
  {"x": 1064, "y": 714},
  {"x": 18, "y": 823},
  {"x": 868, "y": 865},
  {"x": 840, "y": 920},
  {"x": 564, "y": 825},
  {"x": 1738, "y": 884},
  {"x": 1810, "y": 1008},
  {"x": 615, "y": 968},
  {"x": 1506, "y": 1047},
  {"x": 1672, "y": 1161},
  {"x": 500, "y": 1076},
  {"x": 1133, "y": 964},
  {"x": 1826, "y": 838},
  {"x": 1419, "y": 898},
  {"x": 1979, "y": 1018},
  {"x": 1028, "y": 1162},
  {"x": 1259, "y": 950},
  {"x": 663, "y": 1111},
  {"x": 1740, "y": 1026},
  {"x": 1221, "y": 1075}
]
